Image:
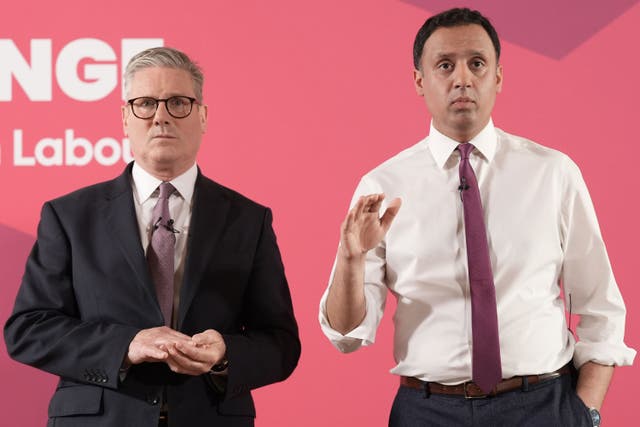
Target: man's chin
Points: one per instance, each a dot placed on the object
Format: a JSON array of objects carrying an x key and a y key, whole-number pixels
[{"x": 165, "y": 162}]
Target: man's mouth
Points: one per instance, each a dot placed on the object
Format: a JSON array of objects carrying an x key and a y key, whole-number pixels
[{"x": 463, "y": 100}]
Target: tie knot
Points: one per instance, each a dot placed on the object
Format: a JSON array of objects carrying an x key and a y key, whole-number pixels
[
  {"x": 166, "y": 189},
  {"x": 465, "y": 150}
]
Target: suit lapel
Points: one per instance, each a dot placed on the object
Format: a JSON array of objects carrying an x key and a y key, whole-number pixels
[
  {"x": 123, "y": 226},
  {"x": 208, "y": 218}
]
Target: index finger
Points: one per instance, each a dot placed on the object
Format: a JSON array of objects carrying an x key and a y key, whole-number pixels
[
  {"x": 368, "y": 203},
  {"x": 376, "y": 202},
  {"x": 167, "y": 335},
  {"x": 195, "y": 353},
  {"x": 210, "y": 336}
]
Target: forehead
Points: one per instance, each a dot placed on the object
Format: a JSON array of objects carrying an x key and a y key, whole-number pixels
[
  {"x": 462, "y": 40},
  {"x": 161, "y": 82}
]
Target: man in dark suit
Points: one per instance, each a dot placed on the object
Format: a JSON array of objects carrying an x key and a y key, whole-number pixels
[{"x": 133, "y": 349}]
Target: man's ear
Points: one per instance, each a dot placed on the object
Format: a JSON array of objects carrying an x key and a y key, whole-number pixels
[
  {"x": 418, "y": 82},
  {"x": 125, "y": 119},
  {"x": 202, "y": 111},
  {"x": 499, "y": 78}
]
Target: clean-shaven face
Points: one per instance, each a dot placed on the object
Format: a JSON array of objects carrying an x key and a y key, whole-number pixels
[
  {"x": 459, "y": 80},
  {"x": 163, "y": 145}
]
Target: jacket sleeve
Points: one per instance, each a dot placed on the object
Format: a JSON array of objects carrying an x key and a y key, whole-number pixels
[
  {"x": 48, "y": 329},
  {"x": 269, "y": 348}
]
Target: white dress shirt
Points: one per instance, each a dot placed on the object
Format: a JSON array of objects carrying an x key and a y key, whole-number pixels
[
  {"x": 145, "y": 197},
  {"x": 543, "y": 234}
]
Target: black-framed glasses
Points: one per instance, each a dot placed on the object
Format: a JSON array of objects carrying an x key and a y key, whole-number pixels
[{"x": 145, "y": 107}]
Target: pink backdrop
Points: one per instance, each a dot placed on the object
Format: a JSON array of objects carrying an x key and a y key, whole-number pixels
[{"x": 304, "y": 98}]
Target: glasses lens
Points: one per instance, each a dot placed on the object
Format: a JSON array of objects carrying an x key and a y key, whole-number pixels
[
  {"x": 179, "y": 106},
  {"x": 144, "y": 108}
]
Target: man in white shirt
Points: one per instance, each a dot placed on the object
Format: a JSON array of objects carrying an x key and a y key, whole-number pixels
[
  {"x": 542, "y": 235},
  {"x": 159, "y": 298}
]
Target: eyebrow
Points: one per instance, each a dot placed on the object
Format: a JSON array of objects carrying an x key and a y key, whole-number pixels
[{"x": 471, "y": 53}]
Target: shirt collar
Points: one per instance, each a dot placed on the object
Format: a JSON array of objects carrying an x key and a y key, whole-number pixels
[
  {"x": 442, "y": 146},
  {"x": 145, "y": 183}
]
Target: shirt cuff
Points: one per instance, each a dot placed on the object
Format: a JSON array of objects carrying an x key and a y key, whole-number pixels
[
  {"x": 603, "y": 353},
  {"x": 362, "y": 335}
]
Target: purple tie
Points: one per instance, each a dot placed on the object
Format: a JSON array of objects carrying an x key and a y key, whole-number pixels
[
  {"x": 487, "y": 368},
  {"x": 160, "y": 252}
]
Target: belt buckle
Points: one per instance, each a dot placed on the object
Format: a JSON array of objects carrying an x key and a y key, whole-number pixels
[
  {"x": 466, "y": 391},
  {"x": 549, "y": 376}
]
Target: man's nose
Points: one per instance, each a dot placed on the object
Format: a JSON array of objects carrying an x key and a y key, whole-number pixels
[
  {"x": 462, "y": 76},
  {"x": 162, "y": 115}
]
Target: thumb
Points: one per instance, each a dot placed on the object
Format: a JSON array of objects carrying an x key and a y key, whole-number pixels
[
  {"x": 390, "y": 213},
  {"x": 209, "y": 336}
]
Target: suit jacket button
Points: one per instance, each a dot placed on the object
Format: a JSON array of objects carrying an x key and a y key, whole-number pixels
[{"x": 153, "y": 400}]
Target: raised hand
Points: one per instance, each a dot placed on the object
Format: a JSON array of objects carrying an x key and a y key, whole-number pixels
[{"x": 363, "y": 228}]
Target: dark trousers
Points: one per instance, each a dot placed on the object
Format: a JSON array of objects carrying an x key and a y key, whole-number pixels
[{"x": 552, "y": 403}]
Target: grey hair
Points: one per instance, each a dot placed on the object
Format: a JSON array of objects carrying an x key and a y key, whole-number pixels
[{"x": 166, "y": 57}]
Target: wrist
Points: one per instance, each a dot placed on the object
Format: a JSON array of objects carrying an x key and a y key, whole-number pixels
[
  {"x": 349, "y": 258},
  {"x": 220, "y": 367}
]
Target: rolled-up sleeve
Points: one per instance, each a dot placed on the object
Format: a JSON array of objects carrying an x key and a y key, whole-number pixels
[
  {"x": 375, "y": 291},
  {"x": 591, "y": 290},
  {"x": 365, "y": 333}
]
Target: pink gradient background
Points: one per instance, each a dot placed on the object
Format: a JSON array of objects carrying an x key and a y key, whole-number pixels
[{"x": 304, "y": 98}]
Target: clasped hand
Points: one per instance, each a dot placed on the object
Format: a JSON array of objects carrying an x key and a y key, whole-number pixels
[{"x": 194, "y": 355}]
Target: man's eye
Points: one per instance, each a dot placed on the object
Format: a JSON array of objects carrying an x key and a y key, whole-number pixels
[
  {"x": 477, "y": 64},
  {"x": 178, "y": 102},
  {"x": 145, "y": 103},
  {"x": 445, "y": 66}
]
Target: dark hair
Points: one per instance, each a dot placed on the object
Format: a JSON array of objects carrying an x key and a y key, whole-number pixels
[{"x": 452, "y": 18}]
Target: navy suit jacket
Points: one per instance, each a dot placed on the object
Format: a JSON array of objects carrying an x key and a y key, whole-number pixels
[{"x": 87, "y": 291}]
